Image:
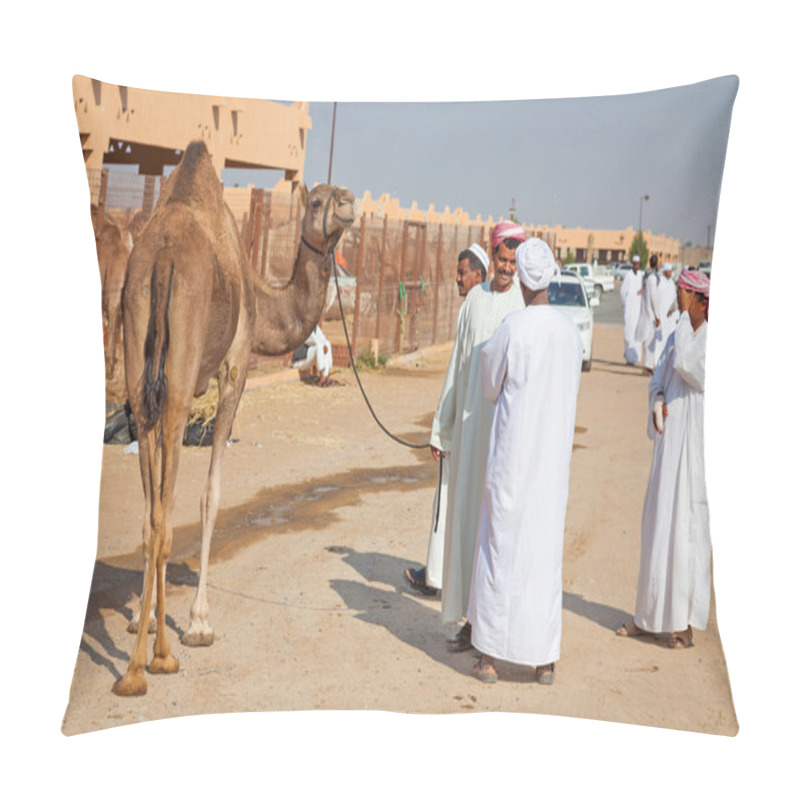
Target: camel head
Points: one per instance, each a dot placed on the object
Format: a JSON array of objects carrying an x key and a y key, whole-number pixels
[{"x": 330, "y": 210}]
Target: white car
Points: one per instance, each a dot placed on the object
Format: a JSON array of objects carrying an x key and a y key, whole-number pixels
[
  {"x": 596, "y": 279},
  {"x": 621, "y": 270},
  {"x": 567, "y": 292}
]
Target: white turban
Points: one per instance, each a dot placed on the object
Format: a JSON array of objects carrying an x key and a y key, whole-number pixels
[
  {"x": 481, "y": 254},
  {"x": 535, "y": 264}
]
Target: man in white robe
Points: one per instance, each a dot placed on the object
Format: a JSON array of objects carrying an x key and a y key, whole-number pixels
[
  {"x": 470, "y": 272},
  {"x": 667, "y": 310},
  {"x": 649, "y": 323},
  {"x": 630, "y": 293},
  {"x": 674, "y": 586},
  {"x": 531, "y": 370},
  {"x": 463, "y": 419}
]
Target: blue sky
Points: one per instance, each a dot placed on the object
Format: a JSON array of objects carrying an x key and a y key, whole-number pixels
[{"x": 578, "y": 161}]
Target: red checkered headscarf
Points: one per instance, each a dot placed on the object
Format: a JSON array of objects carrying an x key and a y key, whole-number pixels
[
  {"x": 507, "y": 230},
  {"x": 695, "y": 281}
]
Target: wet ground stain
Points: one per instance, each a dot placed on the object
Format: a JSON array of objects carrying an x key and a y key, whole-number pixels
[
  {"x": 306, "y": 505},
  {"x": 290, "y": 508}
]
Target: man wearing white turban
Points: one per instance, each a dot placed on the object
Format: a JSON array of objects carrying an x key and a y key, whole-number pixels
[
  {"x": 461, "y": 425},
  {"x": 531, "y": 370},
  {"x": 470, "y": 271},
  {"x": 631, "y": 295}
]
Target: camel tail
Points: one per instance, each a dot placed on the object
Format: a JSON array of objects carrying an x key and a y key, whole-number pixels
[{"x": 156, "y": 345}]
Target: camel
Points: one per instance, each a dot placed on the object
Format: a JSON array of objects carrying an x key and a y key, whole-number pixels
[
  {"x": 194, "y": 308},
  {"x": 114, "y": 244}
]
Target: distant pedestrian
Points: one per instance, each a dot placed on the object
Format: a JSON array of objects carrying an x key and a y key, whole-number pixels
[
  {"x": 630, "y": 293},
  {"x": 470, "y": 271},
  {"x": 674, "y": 587},
  {"x": 648, "y": 324},
  {"x": 667, "y": 310},
  {"x": 531, "y": 369}
]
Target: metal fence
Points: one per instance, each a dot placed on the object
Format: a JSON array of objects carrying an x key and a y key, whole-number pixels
[{"x": 398, "y": 278}]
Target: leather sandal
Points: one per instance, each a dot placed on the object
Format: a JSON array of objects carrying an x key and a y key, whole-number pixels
[{"x": 462, "y": 640}]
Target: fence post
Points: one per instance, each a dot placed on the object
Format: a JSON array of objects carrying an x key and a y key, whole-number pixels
[
  {"x": 148, "y": 200},
  {"x": 101, "y": 201},
  {"x": 267, "y": 226},
  {"x": 380, "y": 278},
  {"x": 256, "y": 226},
  {"x": 437, "y": 280},
  {"x": 399, "y": 324},
  {"x": 422, "y": 260},
  {"x": 298, "y": 223},
  {"x": 362, "y": 249}
]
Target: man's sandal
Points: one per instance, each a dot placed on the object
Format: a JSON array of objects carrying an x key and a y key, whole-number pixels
[
  {"x": 630, "y": 629},
  {"x": 418, "y": 580},
  {"x": 485, "y": 672},
  {"x": 682, "y": 640},
  {"x": 545, "y": 674},
  {"x": 461, "y": 641}
]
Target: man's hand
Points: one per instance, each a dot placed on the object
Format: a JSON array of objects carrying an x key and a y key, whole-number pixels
[
  {"x": 659, "y": 415},
  {"x": 437, "y": 453}
]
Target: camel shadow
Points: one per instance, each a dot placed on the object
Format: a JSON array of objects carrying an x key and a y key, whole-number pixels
[{"x": 115, "y": 589}]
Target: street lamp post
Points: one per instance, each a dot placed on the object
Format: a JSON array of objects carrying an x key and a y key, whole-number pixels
[{"x": 641, "y": 201}]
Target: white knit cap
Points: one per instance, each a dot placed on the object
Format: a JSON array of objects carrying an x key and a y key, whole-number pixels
[
  {"x": 481, "y": 254},
  {"x": 536, "y": 266}
]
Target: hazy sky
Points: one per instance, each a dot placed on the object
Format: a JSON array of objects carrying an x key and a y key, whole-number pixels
[{"x": 579, "y": 162}]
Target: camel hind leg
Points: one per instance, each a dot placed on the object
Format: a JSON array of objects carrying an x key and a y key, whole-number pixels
[
  {"x": 231, "y": 385},
  {"x": 133, "y": 682},
  {"x": 162, "y": 495}
]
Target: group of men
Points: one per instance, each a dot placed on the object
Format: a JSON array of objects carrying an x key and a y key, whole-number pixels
[
  {"x": 650, "y": 312},
  {"x": 502, "y": 436}
]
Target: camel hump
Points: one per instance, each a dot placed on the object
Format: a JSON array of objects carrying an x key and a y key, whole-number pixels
[{"x": 195, "y": 179}]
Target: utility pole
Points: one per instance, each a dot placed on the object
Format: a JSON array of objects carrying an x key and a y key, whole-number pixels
[{"x": 333, "y": 131}]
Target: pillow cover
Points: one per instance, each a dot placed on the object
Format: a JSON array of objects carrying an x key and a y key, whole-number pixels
[{"x": 320, "y": 513}]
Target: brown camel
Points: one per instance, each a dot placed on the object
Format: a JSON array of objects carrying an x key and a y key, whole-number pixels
[
  {"x": 193, "y": 308},
  {"x": 114, "y": 244}
]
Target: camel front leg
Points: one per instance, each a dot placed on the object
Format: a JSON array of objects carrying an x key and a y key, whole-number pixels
[{"x": 200, "y": 632}]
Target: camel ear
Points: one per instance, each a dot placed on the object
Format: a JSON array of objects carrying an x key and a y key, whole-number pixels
[{"x": 302, "y": 193}]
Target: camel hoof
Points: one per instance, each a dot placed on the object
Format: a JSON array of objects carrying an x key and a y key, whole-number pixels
[
  {"x": 132, "y": 684},
  {"x": 133, "y": 626},
  {"x": 198, "y": 638},
  {"x": 163, "y": 665}
]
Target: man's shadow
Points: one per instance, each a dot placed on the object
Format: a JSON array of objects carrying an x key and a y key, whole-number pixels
[{"x": 416, "y": 621}]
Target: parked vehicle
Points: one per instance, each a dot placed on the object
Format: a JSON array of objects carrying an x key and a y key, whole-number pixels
[
  {"x": 620, "y": 270},
  {"x": 597, "y": 279},
  {"x": 568, "y": 293}
]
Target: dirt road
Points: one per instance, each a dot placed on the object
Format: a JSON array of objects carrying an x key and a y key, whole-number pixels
[{"x": 321, "y": 514}]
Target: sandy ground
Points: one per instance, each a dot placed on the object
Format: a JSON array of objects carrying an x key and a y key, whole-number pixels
[{"x": 321, "y": 514}]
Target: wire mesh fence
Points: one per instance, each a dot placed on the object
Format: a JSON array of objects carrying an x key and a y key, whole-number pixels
[{"x": 396, "y": 277}]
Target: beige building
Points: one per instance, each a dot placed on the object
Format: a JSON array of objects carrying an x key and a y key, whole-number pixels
[{"x": 123, "y": 125}]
